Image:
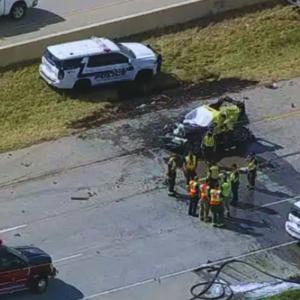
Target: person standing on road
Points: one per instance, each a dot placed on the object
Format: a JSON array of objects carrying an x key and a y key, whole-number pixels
[
  {"x": 204, "y": 201},
  {"x": 251, "y": 171},
  {"x": 225, "y": 194},
  {"x": 235, "y": 184},
  {"x": 194, "y": 196},
  {"x": 217, "y": 207},
  {"x": 171, "y": 174},
  {"x": 208, "y": 146},
  {"x": 213, "y": 175},
  {"x": 189, "y": 167}
]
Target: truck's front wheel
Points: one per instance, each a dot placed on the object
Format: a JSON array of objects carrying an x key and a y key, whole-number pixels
[
  {"x": 39, "y": 285},
  {"x": 18, "y": 11},
  {"x": 144, "y": 76}
]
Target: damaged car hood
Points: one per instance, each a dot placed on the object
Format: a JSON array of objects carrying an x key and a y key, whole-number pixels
[{"x": 201, "y": 116}]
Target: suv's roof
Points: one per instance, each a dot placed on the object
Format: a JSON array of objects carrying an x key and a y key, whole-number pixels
[{"x": 83, "y": 48}]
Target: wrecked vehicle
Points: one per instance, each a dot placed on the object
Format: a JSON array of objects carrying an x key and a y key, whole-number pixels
[{"x": 188, "y": 133}]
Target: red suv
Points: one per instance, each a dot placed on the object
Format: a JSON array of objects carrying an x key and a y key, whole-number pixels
[{"x": 24, "y": 268}]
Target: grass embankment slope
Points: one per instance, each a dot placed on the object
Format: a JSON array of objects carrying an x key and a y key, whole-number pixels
[
  {"x": 289, "y": 295},
  {"x": 258, "y": 45}
]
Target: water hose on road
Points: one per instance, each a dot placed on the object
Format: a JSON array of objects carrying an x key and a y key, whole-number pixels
[{"x": 226, "y": 292}]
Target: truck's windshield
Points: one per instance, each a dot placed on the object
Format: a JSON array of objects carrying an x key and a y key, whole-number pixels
[
  {"x": 52, "y": 59},
  {"x": 17, "y": 253},
  {"x": 126, "y": 50}
]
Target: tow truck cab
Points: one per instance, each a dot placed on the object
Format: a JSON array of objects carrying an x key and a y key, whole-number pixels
[
  {"x": 16, "y": 8},
  {"x": 292, "y": 225},
  {"x": 24, "y": 268}
]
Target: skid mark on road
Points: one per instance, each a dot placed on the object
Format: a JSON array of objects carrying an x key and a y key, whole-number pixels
[{"x": 13, "y": 183}]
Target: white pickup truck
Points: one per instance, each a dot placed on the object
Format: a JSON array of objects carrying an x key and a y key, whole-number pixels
[{"x": 16, "y": 8}]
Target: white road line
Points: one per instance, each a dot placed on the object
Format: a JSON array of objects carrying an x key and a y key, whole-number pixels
[
  {"x": 67, "y": 258},
  {"x": 13, "y": 228},
  {"x": 189, "y": 270},
  {"x": 118, "y": 289},
  {"x": 280, "y": 201}
]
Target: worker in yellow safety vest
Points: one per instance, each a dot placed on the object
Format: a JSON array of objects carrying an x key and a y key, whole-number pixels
[
  {"x": 226, "y": 193},
  {"x": 208, "y": 146},
  {"x": 213, "y": 175},
  {"x": 204, "y": 200},
  {"x": 190, "y": 166},
  {"x": 235, "y": 183},
  {"x": 252, "y": 171},
  {"x": 194, "y": 196},
  {"x": 217, "y": 207},
  {"x": 171, "y": 174}
]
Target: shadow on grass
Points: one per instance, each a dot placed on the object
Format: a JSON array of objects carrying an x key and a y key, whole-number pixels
[{"x": 165, "y": 91}]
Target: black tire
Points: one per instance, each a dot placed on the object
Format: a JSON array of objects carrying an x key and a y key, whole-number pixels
[
  {"x": 39, "y": 285},
  {"x": 144, "y": 76},
  {"x": 18, "y": 11},
  {"x": 83, "y": 85}
]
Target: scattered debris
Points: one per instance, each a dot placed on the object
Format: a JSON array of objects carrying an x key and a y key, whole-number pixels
[
  {"x": 26, "y": 164},
  {"x": 54, "y": 182},
  {"x": 272, "y": 86},
  {"x": 82, "y": 136},
  {"x": 85, "y": 193},
  {"x": 17, "y": 234},
  {"x": 80, "y": 198},
  {"x": 142, "y": 106},
  {"x": 293, "y": 105},
  {"x": 92, "y": 194}
]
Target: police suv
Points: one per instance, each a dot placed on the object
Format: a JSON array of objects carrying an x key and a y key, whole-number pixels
[{"x": 95, "y": 61}]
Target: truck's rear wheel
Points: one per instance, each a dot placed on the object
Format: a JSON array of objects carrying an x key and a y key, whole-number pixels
[
  {"x": 39, "y": 285},
  {"x": 18, "y": 11}
]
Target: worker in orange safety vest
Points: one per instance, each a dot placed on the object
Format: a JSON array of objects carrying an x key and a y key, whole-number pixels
[
  {"x": 217, "y": 207},
  {"x": 204, "y": 200},
  {"x": 194, "y": 196}
]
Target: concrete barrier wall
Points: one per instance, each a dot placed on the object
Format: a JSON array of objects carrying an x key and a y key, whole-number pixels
[{"x": 176, "y": 14}]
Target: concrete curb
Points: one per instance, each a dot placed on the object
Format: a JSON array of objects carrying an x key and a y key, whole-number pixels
[{"x": 121, "y": 27}]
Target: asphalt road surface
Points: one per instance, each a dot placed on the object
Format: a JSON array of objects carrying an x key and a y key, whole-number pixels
[
  {"x": 98, "y": 205},
  {"x": 52, "y": 16}
]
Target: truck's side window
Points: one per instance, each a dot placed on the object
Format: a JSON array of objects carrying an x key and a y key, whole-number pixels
[
  {"x": 107, "y": 60},
  {"x": 97, "y": 61},
  {"x": 9, "y": 261},
  {"x": 71, "y": 64},
  {"x": 116, "y": 58}
]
